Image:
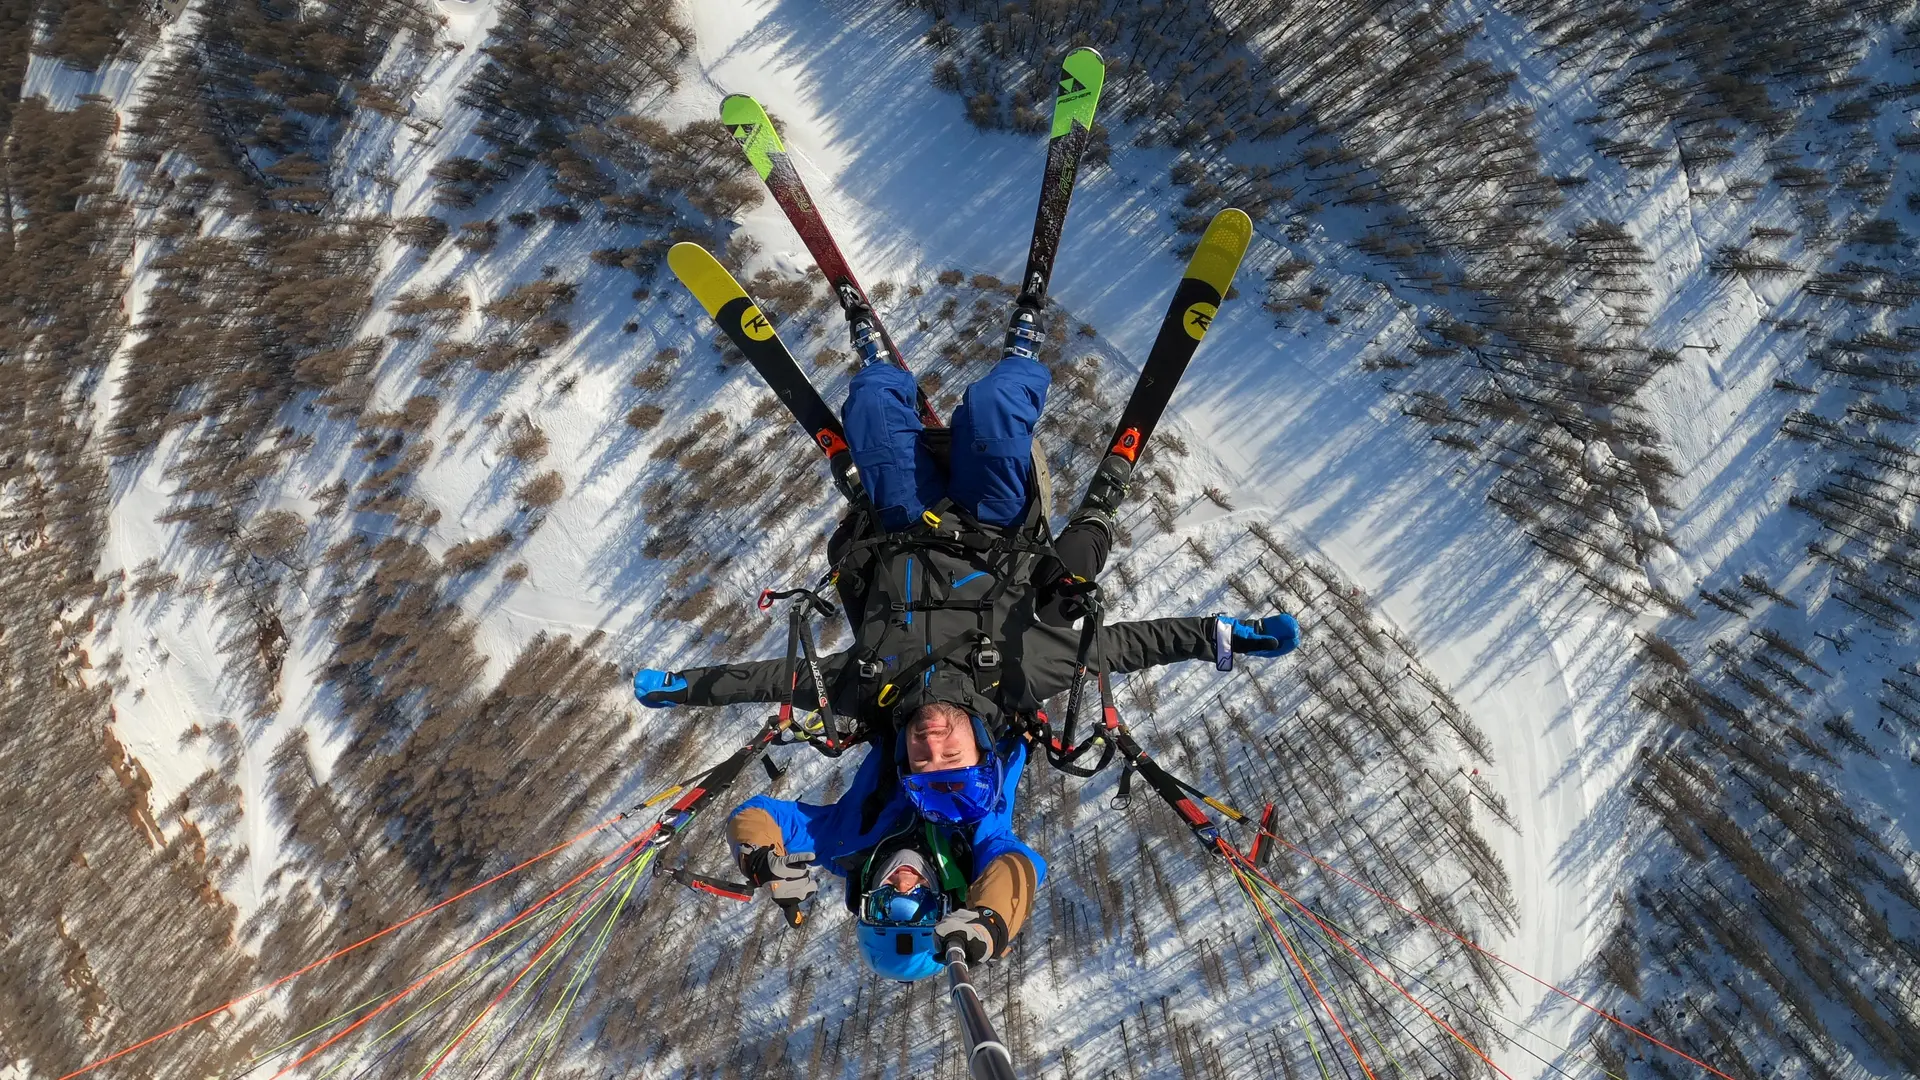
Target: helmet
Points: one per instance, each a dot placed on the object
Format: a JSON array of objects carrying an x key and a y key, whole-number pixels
[
  {"x": 955, "y": 796},
  {"x": 896, "y": 928}
]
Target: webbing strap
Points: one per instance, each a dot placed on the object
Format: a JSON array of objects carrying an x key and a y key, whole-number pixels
[
  {"x": 801, "y": 650},
  {"x": 952, "y": 882},
  {"x": 890, "y": 693}
]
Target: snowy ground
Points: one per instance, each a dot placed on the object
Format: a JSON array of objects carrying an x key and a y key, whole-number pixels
[{"x": 1281, "y": 416}]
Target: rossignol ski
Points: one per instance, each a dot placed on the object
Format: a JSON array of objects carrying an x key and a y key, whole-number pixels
[
  {"x": 1196, "y": 301},
  {"x": 754, "y": 130},
  {"x": 741, "y": 320}
]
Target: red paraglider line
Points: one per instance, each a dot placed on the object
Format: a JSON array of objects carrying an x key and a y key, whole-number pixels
[
  {"x": 369, "y": 939},
  {"x": 1495, "y": 957}
]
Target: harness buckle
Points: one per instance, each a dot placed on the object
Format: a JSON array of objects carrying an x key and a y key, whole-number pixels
[
  {"x": 985, "y": 657},
  {"x": 870, "y": 669}
]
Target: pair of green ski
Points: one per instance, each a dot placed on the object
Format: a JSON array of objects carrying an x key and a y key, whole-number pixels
[{"x": 1195, "y": 302}]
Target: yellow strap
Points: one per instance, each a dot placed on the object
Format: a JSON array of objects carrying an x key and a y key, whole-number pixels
[
  {"x": 1223, "y": 808},
  {"x": 888, "y": 694},
  {"x": 932, "y": 519},
  {"x": 662, "y": 797}
]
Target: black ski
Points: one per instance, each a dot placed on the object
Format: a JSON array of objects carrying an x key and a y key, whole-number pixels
[
  {"x": 1082, "y": 74},
  {"x": 1195, "y": 302},
  {"x": 734, "y": 310}
]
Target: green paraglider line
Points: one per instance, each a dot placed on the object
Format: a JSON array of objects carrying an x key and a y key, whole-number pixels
[
  {"x": 1300, "y": 934},
  {"x": 258, "y": 1059},
  {"x": 640, "y": 850},
  {"x": 530, "y": 996},
  {"x": 338, "y": 953},
  {"x": 583, "y": 973},
  {"x": 1245, "y": 867},
  {"x": 1302, "y": 1018},
  {"x": 1233, "y": 862}
]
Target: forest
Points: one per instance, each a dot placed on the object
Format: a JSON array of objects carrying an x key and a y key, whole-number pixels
[{"x": 203, "y": 282}]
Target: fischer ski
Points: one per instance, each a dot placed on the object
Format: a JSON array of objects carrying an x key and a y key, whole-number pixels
[
  {"x": 1082, "y": 74},
  {"x": 753, "y": 333},
  {"x": 1196, "y": 300},
  {"x": 753, "y": 128}
]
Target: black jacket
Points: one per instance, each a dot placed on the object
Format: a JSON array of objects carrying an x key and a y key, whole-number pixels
[{"x": 944, "y": 597}]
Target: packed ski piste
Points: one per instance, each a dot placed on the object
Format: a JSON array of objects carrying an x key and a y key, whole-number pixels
[{"x": 967, "y": 613}]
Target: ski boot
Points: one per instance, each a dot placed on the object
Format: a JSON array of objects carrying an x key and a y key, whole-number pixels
[
  {"x": 864, "y": 333},
  {"x": 1024, "y": 335},
  {"x": 1106, "y": 491}
]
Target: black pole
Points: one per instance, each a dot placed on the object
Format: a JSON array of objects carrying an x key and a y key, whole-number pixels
[{"x": 987, "y": 1056}]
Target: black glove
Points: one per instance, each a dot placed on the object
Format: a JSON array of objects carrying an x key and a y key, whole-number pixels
[
  {"x": 788, "y": 878},
  {"x": 979, "y": 932}
]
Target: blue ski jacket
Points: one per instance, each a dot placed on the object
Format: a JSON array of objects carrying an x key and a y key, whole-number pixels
[{"x": 841, "y": 834}]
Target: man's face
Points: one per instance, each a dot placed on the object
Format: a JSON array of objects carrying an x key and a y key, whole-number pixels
[{"x": 935, "y": 741}]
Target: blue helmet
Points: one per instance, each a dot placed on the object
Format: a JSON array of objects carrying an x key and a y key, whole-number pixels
[
  {"x": 955, "y": 796},
  {"x": 896, "y": 928}
]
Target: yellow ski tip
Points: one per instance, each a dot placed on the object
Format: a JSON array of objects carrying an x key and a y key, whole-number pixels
[
  {"x": 703, "y": 276},
  {"x": 1221, "y": 249}
]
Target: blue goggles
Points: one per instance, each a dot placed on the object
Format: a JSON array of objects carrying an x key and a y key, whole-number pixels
[
  {"x": 888, "y": 906},
  {"x": 954, "y": 796}
]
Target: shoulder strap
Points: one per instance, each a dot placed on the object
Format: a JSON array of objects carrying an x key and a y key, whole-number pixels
[{"x": 952, "y": 881}]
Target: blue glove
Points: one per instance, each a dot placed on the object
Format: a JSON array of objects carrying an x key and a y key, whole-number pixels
[
  {"x": 1275, "y": 635},
  {"x": 654, "y": 688}
]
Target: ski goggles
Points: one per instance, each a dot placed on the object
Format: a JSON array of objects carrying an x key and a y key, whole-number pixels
[
  {"x": 954, "y": 796},
  {"x": 888, "y": 906}
]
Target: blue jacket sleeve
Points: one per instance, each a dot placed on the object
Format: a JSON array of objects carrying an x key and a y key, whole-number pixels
[{"x": 993, "y": 836}]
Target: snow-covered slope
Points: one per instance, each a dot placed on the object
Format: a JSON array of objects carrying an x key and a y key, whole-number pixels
[{"x": 1282, "y": 416}]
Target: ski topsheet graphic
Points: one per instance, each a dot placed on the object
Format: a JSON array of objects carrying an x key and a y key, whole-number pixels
[
  {"x": 1082, "y": 74},
  {"x": 749, "y": 329},
  {"x": 754, "y": 130},
  {"x": 1196, "y": 300}
]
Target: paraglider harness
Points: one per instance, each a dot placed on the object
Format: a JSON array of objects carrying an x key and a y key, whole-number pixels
[
  {"x": 834, "y": 734},
  {"x": 1008, "y": 555}
]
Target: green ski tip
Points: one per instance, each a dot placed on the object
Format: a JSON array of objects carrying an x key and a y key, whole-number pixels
[
  {"x": 1082, "y": 74},
  {"x": 750, "y": 125}
]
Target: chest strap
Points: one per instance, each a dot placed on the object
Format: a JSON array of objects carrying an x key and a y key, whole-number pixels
[{"x": 986, "y": 656}]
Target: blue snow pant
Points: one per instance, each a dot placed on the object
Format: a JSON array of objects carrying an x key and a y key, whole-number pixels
[{"x": 992, "y": 463}]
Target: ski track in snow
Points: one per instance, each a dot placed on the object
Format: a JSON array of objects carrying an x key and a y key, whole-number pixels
[{"x": 1279, "y": 414}]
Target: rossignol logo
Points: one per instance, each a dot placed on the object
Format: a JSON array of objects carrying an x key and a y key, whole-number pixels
[
  {"x": 1198, "y": 319},
  {"x": 1071, "y": 87},
  {"x": 755, "y": 325}
]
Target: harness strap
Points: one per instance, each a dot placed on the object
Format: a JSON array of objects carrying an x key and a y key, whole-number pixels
[
  {"x": 839, "y": 736},
  {"x": 952, "y": 882},
  {"x": 890, "y": 693}
]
